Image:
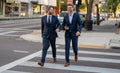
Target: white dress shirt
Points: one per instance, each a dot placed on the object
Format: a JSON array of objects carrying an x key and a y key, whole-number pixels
[
  {"x": 48, "y": 18},
  {"x": 70, "y": 18}
]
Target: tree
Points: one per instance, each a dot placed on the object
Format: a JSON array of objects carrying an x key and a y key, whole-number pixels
[
  {"x": 88, "y": 22},
  {"x": 112, "y": 5},
  {"x": 82, "y": 6},
  {"x": 89, "y": 4},
  {"x": 64, "y": 6}
]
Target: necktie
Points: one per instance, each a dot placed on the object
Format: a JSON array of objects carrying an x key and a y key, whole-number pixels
[{"x": 49, "y": 20}]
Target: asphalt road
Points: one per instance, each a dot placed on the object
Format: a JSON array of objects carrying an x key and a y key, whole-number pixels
[
  {"x": 11, "y": 46},
  {"x": 21, "y": 24},
  {"x": 90, "y": 61},
  {"x": 19, "y": 56}
]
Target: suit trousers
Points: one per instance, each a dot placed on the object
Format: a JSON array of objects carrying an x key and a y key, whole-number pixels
[
  {"x": 67, "y": 46},
  {"x": 46, "y": 44}
]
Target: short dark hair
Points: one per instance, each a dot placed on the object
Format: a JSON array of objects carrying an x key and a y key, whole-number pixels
[{"x": 70, "y": 5}]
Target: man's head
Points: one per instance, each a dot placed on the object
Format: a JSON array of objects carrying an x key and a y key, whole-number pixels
[
  {"x": 70, "y": 8},
  {"x": 50, "y": 10}
]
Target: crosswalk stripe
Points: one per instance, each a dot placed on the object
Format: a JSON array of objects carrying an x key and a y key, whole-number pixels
[
  {"x": 7, "y": 32},
  {"x": 72, "y": 67},
  {"x": 88, "y": 59},
  {"x": 15, "y": 63},
  {"x": 11, "y": 35},
  {"x": 91, "y": 52},
  {"x": 18, "y": 25},
  {"x": 11, "y": 71},
  {"x": 32, "y": 26},
  {"x": 1, "y": 30}
]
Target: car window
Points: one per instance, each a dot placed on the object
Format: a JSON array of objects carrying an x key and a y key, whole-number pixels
[{"x": 62, "y": 14}]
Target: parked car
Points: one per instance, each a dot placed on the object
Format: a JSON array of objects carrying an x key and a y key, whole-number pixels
[
  {"x": 62, "y": 14},
  {"x": 94, "y": 18}
]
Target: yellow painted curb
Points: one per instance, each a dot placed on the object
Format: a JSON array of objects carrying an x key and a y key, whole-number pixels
[
  {"x": 35, "y": 33},
  {"x": 92, "y": 46}
]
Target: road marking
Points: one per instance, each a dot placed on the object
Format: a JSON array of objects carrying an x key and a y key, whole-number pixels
[
  {"x": 72, "y": 67},
  {"x": 30, "y": 26},
  {"x": 20, "y": 51},
  {"x": 19, "y": 61},
  {"x": 11, "y": 35},
  {"x": 8, "y": 32},
  {"x": 17, "y": 25},
  {"x": 2, "y": 30},
  {"x": 14, "y": 29},
  {"x": 91, "y": 52},
  {"x": 9, "y": 25},
  {"x": 10, "y": 71},
  {"x": 88, "y": 59}
]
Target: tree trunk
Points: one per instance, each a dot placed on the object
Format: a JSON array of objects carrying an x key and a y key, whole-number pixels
[
  {"x": 89, "y": 4},
  {"x": 88, "y": 21}
]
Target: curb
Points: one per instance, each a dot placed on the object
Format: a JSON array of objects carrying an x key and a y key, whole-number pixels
[
  {"x": 92, "y": 46},
  {"x": 37, "y": 39}
]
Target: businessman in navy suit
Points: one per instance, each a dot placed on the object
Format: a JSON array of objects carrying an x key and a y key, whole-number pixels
[
  {"x": 73, "y": 26},
  {"x": 50, "y": 27}
]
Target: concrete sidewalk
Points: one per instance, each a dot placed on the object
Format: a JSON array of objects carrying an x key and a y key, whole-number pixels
[{"x": 88, "y": 39}]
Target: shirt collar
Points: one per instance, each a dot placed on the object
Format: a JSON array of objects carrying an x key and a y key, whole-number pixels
[
  {"x": 49, "y": 15},
  {"x": 72, "y": 14}
]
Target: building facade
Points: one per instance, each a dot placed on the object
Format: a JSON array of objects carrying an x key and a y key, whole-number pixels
[
  {"x": 21, "y": 8},
  {"x": 118, "y": 10},
  {"x": 1, "y": 7}
]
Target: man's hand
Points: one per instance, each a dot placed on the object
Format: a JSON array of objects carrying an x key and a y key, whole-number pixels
[
  {"x": 78, "y": 33},
  {"x": 66, "y": 28},
  {"x": 57, "y": 30}
]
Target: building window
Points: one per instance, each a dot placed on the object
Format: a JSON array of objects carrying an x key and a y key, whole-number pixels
[
  {"x": 12, "y": 9},
  {"x": 1, "y": 7},
  {"x": 36, "y": 9},
  {"x": 8, "y": 9},
  {"x": 24, "y": 9}
]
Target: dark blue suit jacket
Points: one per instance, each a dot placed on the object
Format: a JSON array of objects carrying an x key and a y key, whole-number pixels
[
  {"x": 49, "y": 30},
  {"x": 76, "y": 24}
]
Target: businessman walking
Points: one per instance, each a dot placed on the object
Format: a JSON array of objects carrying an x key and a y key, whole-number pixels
[
  {"x": 73, "y": 26},
  {"x": 49, "y": 28}
]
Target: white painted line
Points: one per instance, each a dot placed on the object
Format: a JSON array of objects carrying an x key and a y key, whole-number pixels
[
  {"x": 11, "y": 35},
  {"x": 2, "y": 30},
  {"x": 18, "y": 25},
  {"x": 88, "y": 59},
  {"x": 7, "y": 32},
  {"x": 11, "y": 71},
  {"x": 14, "y": 29},
  {"x": 8, "y": 25},
  {"x": 32, "y": 26},
  {"x": 72, "y": 67},
  {"x": 20, "y": 51},
  {"x": 92, "y": 52},
  {"x": 19, "y": 61}
]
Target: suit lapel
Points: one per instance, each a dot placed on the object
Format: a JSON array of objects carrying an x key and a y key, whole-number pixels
[
  {"x": 52, "y": 19},
  {"x": 45, "y": 19},
  {"x": 68, "y": 19},
  {"x": 73, "y": 18}
]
